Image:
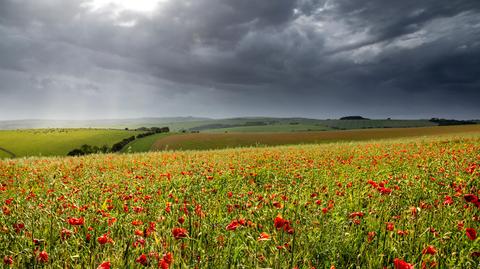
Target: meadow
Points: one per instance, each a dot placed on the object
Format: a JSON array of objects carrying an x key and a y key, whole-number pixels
[
  {"x": 376, "y": 204},
  {"x": 56, "y": 142}
]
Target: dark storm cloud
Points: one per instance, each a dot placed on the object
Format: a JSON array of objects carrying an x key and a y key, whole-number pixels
[{"x": 229, "y": 57}]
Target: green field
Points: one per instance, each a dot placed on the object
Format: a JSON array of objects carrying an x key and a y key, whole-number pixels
[
  {"x": 364, "y": 124},
  {"x": 242, "y": 125},
  {"x": 143, "y": 144},
  {"x": 56, "y": 142}
]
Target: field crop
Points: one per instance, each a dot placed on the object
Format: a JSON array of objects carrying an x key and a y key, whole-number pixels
[
  {"x": 230, "y": 140},
  {"x": 390, "y": 204}
]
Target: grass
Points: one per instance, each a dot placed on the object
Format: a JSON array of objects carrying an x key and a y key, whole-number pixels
[
  {"x": 201, "y": 141},
  {"x": 57, "y": 142},
  {"x": 143, "y": 144},
  {"x": 347, "y": 205}
]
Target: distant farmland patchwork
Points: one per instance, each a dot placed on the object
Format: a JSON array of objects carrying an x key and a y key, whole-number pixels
[
  {"x": 58, "y": 142},
  {"x": 200, "y": 141}
]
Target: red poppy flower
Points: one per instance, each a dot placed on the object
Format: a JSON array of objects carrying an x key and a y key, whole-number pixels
[
  {"x": 233, "y": 225},
  {"x": 279, "y": 222},
  {"x": 166, "y": 260},
  {"x": 371, "y": 236},
  {"x": 471, "y": 233},
  {"x": 137, "y": 222},
  {"x": 431, "y": 250},
  {"x": 390, "y": 226},
  {"x": 470, "y": 198},
  {"x": 8, "y": 260},
  {"x": 263, "y": 237},
  {"x": 104, "y": 239},
  {"x": 179, "y": 233},
  {"x": 357, "y": 214},
  {"x": 448, "y": 200},
  {"x": 142, "y": 259},
  {"x": 104, "y": 265},
  {"x": 76, "y": 221},
  {"x": 65, "y": 234},
  {"x": 400, "y": 264},
  {"x": 43, "y": 256}
]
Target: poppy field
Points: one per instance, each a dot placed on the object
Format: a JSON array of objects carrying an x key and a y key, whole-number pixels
[{"x": 405, "y": 203}]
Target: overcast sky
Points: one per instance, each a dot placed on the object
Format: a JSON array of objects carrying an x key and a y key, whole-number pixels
[{"x": 86, "y": 59}]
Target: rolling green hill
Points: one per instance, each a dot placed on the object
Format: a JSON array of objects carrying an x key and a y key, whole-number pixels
[
  {"x": 143, "y": 144},
  {"x": 264, "y": 124},
  {"x": 56, "y": 142}
]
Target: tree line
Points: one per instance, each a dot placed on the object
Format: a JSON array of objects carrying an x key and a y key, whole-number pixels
[{"x": 89, "y": 149}]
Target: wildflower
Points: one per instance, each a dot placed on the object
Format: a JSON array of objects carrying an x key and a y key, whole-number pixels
[
  {"x": 142, "y": 259},
  {"x": 279, "y": 222},
  {"x": 263, "y": 237},
  {"x": 18, "y": 227},
  {"x": 104, "y": 265},
  {"x": 429, "y": 250},
  {"x": 179, "y": 233},
  {"x": 43, "y": 256},
  {"x": 356, "y": 214},
  {"x": 400, "y": 264},
  {"x": 76, "y": 221},
  {"x": 104, "y": 239},
  {"x": 65, "y": 234},
  {"x": 8, "y": 260},
  {"x": 448, "y": 200},
  {"x": 390, "y": 226},
  {"x": 137, "y": 222},
  {"x": 166, "y": 260},
  {"x": 371, "y": 236},
  {"x": 233, "y": 225},
  {"x": 470, "y": 198},
  {"x": 471, "y": 233}
]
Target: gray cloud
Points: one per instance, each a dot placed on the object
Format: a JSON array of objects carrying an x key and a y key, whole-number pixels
[{"x": 60, "y": 58}]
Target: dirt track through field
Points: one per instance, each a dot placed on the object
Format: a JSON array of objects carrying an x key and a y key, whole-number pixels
[{"x": 226, "y": 140}]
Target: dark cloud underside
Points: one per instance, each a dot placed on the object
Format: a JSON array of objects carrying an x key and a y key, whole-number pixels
[{"x": 221, "y": 58}]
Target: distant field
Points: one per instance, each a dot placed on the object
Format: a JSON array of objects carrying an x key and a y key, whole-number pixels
[
  {"x": 56, "y": 142},
  {"x": 294, "y": 124},
  {"x": 143, "y": 144},
  {"x": 362, "y": 124},
  {"x": 230, "y": 140},
  {"x": 272, "y": 128}
]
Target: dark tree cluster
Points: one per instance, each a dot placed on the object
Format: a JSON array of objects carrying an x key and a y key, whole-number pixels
[
  {"x": 446, "y": 122},
  {"x": 353, "y": 118},
  {"x": 154, "y": 130},
  {"x": 88, "y": 149},
  {"x": 119, "y": 146}
]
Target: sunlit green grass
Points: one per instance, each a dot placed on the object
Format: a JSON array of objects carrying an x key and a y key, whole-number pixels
[{"x": 57, "y": 142}]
